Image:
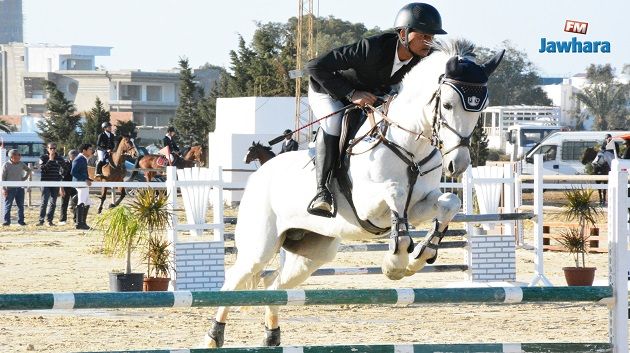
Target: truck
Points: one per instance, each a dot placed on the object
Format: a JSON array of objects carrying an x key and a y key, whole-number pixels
[
  {"x": 562, "y": 151},
  {"x": 29, "y": 144},
  {"x": 519, "y": 139}
]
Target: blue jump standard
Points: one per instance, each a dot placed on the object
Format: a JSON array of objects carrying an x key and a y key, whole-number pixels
[
  {"x": 415, "y": 348},
  {"x": 101, "y": 300}
]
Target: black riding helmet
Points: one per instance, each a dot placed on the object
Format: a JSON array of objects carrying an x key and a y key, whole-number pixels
[
  {"x": 105, "y": 125},
  {"x": 420, "y": 17}
]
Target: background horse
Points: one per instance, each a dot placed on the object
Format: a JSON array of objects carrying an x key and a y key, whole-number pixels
[
  {"x": 114, "y": 170},
  {"x": 431, "y": 107},
  {"x": 258, "y": 152},
  {"x": 193, "y": 157}
]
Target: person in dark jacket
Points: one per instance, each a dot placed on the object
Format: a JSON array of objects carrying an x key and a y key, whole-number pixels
[
  {"x": 67, "y": 193},
  {"x": 358, "y": 73},
  {"x": 289, "y": 143},
  {"x": 104, "y": 146},
  {"x": 50, "y": 166},
  {"x": 79, "y": 172},
  {"x": 169, "y": 142}
]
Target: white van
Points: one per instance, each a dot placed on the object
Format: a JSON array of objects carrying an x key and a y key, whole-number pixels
[
  {"x": 520, "y": 139},
  {"x": 562, "y": 151},
  {"x": 29, "y": 144}
]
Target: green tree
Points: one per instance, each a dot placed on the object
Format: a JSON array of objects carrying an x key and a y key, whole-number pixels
[
  {"x": 191, "y": 119},
  {"x": 6, "y": 126},
  {"x": 62, "y": 124},
  {"x": 91, "y": 128},
  {"x": 479, "y": 145},
  {"x": 515, "y": 81},
  {"x": 605, "y": 99},
  {"x": 126, "y": 128}
]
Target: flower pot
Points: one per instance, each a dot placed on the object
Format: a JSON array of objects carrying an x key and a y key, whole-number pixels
[
  {"x": 152, "y": 284},
  {"x": 579, "y": 276},
  {"x": 125, "y": 282}
]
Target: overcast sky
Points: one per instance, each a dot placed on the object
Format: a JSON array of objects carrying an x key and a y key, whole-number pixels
[{"x": 153, "y": 34}]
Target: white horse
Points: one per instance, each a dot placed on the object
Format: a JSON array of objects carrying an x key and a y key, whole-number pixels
[{"x": 433, "y": 111}]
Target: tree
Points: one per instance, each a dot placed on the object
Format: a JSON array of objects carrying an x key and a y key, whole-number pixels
[
  {"x": 479, "y": 145},
  {"x": 605, "y": 99},
  {"x": 515, "y": 81},
  {"x": 189, "y": 122},
  {"x": 91, "y": 128},
  {"x": 6, "y": 126},
  {"x": 126, "y": 128},
  {"x": 62, "y": 124}
]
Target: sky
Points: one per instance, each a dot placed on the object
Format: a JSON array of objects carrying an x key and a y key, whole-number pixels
[{"x": 153, "y": 34}]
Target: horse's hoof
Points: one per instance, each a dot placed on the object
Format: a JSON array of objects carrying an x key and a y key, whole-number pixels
[
  {"x": 209, "y": 342},
  {"x": 111, "y": 205},
  {"x": 272, "y": 337},
  {"x": 394, "y": 275}
]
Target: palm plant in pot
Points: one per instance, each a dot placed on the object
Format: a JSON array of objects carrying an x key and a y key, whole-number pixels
[
  {"x": 121, "y": 235},
  {"x": 151, "y": 210},
  {"x": 575, "y": 240}
]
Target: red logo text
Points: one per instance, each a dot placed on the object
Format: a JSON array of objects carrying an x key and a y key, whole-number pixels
[{"x": 575, "y": 27}]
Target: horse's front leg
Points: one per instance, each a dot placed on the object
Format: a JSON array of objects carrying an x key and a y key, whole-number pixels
[
  {"x": 121, "y": 195},
  {"x": 442, "y": 208},
  {"x": 102, "y": 198},
  {"x": 396, "y": 260}
]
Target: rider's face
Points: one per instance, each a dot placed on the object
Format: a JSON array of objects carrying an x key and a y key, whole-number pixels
[{"x": 419, "y": 43}]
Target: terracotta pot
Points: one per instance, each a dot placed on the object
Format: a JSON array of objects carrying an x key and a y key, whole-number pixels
[
  {"x": 579, "y": 276},
  {"x": 152, "y": 284}
]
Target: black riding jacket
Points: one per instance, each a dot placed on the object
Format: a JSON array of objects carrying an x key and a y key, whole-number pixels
[
  {"x": 105, "y": 143},
  {"x": 365, "y": 65},
  {"x": 170, "y": 142}
]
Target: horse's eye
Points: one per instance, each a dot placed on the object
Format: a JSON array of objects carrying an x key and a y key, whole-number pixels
[{"x": 447, "y": 106}]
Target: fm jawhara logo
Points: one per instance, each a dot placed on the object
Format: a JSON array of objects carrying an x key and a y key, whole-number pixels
[{"x": 574, "y": 45}]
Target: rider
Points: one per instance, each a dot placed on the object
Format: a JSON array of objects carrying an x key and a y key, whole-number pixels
[
  {"x": 104, "y": 146},
  {"x": 169, "y": 141},
  {"x": 357, "y": 73}
]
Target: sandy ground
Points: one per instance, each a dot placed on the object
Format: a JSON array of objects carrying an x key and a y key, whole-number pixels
[{"x": 59, "y": 259}]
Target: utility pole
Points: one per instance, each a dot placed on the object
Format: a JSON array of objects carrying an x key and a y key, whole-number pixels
[{"x": 304, "y": 31}]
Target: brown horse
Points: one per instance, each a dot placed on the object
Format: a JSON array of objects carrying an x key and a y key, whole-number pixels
[
  {"x": 115, "y": 170},
  {"x": 193, "y": 157},
  {"x": 258, "y": 152}
]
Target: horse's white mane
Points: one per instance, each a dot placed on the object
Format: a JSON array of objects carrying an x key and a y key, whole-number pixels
[{"x": 423, "y": 78}]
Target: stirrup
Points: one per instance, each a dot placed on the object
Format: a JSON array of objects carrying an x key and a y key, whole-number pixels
[{"x": 323, "y": 194}]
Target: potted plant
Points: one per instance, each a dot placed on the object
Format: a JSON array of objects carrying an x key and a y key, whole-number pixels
[
  {"x": 121, "y": 235},
  {"x": 151, "y": 210},
  {"x": 127, "y": 227},
  {"x": 575, "y": 240}
]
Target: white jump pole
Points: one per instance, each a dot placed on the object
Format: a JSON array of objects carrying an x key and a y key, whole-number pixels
[{"x": 539, "y": 270}]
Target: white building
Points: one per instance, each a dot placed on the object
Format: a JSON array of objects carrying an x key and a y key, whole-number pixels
[{"x": 241, "y": 121}]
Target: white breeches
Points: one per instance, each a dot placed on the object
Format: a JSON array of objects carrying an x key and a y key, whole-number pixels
[
  {"x": 83, "y": 196},
  {"x": 322, "y": 105},
  {"x": 100, "y": 155}
]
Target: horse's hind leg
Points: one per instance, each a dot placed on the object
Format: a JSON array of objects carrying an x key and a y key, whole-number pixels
[
  {"x": 121, "y": 195},
  {"x": 102, "y": 198},
  {"x": 238, "y": 277},
  {"x": 303, "y": 257}
]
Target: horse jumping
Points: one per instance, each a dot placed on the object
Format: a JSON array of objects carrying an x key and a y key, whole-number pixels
[
  {"x": 193, "y": 157},
  {"x": 394, "y": 169}
]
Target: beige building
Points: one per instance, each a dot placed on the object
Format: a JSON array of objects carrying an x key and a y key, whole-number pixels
[{"x": 149, "y": 99}]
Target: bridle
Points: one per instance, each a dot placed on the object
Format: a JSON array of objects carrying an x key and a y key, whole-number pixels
[{"x": 438, "y": 118}]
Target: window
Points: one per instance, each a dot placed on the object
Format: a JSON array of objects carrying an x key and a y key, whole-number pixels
[
  {"x": 531, "y": 137},
  {"x": 78, "y": 64},
  {"x": 549, "y": 152},
  {"x": 154, "y": 93},
  {"x": 130, "y": 92},
  {"x": 573, "y": 150}
]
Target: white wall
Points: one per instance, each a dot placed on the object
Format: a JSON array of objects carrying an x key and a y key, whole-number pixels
[{"x": 241, "y": 121}]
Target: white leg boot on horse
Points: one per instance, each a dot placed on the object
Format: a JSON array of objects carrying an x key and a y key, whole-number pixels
[
  {"x": 327, "y": 155},
  {"x": 303, "y": 257},
  {"x": 443, "y": 209}
]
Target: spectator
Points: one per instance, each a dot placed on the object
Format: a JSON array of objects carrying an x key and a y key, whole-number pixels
[
  {"x": 289, "y": 143},
  {"x": 14, "y": 170},
  {"x": 79, "y": 172},
  {"x": 50, "y": 165},
  {"x": 68, "y": 193}
]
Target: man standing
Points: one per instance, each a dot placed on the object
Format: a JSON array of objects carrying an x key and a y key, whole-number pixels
[
  {"x": 289, "y": 143},
  {"x": 104, "y": 146},
  {"x": 67, "y": 193},
  {"x": 14, "y": 170},
  {"x": 50, "y": 165},
  {"x": 79, "y": 172}
]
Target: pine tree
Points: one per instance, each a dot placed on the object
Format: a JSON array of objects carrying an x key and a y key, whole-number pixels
[
  {"x": 126, "y": 128},
  {"x": 479, "y": 145},
  {"x": 194, "y": 118},
  {"x": 91, "y": 128},
  {"x": 62, "y": 124}
]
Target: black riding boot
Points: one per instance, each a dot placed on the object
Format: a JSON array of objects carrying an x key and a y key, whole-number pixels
[
  {"x": 99, "y": 168},
  {"x": 81, "y": 216},
  {"x": 327, "y": 154}
]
